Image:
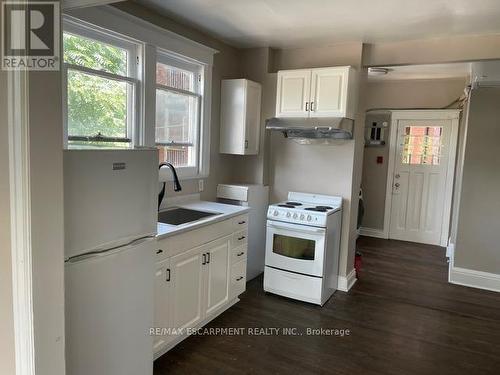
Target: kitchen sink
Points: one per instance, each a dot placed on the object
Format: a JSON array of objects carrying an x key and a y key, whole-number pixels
[{"x": 179, "y": 215}]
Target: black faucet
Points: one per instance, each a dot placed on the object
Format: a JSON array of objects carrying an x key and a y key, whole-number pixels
[{"x": 177, "y": 184}]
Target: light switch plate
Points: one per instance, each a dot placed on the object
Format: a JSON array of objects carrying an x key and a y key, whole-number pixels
[{"x": 201, "y": 185}]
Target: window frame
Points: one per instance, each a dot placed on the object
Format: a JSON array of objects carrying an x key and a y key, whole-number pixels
[
  {"x": 84, "y": 30},
  {"x": 170, "y": 59},
  {"x": 151, "y": 37}
]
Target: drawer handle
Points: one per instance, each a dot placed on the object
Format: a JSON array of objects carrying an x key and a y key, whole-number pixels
[
  {"x": 159, "y": 251},
  {"x": 168, "y": 274},
  {"x": 241, "y": 238},
  {"x": 241, "y": 222},
  {"x": 240, "y": 254},
  {"x": 239, "y": 278}
]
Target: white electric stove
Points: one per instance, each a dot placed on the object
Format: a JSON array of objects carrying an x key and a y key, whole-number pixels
[{"x": 302, "y": 247}]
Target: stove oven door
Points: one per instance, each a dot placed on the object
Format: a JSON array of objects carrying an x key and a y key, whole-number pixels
[{"x": 296, "y": 248}]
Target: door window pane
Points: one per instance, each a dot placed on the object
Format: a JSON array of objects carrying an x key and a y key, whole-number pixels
[
  {"x": 422, "y": 145},
  {"x": 93, "y": 54},
  {"x": 293, "y": 247},
  {"x": 96, "y": 105}
]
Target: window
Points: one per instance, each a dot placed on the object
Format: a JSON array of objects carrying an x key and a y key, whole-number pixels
[
  {"x": 422, "y": 145},
  {"x": 100, "y": 71},
  {"x": 178, "y": 111}
]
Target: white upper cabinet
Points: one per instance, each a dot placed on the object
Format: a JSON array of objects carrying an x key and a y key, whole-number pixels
[
  {"x": 322, "y": 92},
  {"x": 240, "y": 117},
  {"x": 293, "y": 94}
]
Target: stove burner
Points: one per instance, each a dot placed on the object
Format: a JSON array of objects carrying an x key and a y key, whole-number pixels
[
  {"x": 286, "y": 205},
  {"x": 294, "y": 203},
  {"x": 317, "y": 209},
  {"x": 327, "y": 207}
]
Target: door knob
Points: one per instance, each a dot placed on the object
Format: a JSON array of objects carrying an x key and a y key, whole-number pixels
[{"x": 397, "y": 185}]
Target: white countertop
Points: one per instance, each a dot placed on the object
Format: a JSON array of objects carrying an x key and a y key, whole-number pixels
[{"x": 225, "y": 211}]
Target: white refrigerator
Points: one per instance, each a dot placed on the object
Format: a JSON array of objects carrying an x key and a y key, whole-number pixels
[{"x": 110, "y": 207}]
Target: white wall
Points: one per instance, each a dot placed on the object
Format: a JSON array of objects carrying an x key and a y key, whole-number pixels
[
  {"x": 47, "y": 235},
  {"x": 477, "y": 239}
]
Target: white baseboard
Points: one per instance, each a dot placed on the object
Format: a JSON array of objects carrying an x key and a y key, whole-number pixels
[
  {"x": 370, "y": 232},
  {"x": 474, "y": 279},
  {"x": 346, "y": 282},
  {"x": 468, "y": 277}
]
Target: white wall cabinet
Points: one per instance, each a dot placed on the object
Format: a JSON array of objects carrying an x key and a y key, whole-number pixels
[
  {"x": 322, "y": 92},
  {"x": 240, "y": 117},
  {"x": 196, "y": 283}
]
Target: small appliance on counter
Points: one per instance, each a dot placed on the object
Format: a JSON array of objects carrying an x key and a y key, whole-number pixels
[
  {"x": 302, "y": 247},
  {"x": 257, "y": 198}
]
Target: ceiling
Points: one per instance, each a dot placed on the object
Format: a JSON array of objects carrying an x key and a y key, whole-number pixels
[
  {"x": 293, "y": 23},
  {"x": 433, "y": 71}
]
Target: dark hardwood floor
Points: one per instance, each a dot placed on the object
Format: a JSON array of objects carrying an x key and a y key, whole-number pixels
[{"x": 403, "y": 317}]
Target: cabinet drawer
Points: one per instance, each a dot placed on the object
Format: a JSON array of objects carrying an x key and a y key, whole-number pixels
[
  {"x": 240, "y": 238},
  {"x": 238, "y": 278},
  {"x": 240, "y": 222},
  {"x": 238, "y": 253}
]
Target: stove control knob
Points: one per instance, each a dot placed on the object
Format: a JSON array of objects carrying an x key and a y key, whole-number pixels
[
  {"x": 309, "y": 218},
  {"x": 295, "y": 216},
  {"x": 302, "y": 217},
  {"x": 288, "y": 214},
  {"x": 276, "y": 213}
]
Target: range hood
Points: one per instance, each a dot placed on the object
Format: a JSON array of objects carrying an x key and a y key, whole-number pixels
[{"x": 312, "y": 130}]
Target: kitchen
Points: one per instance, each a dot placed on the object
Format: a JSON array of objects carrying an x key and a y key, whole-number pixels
[{"x": 242, "y": 156}]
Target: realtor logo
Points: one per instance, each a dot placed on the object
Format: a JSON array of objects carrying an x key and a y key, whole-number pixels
[{"x": 30, "y": 35}]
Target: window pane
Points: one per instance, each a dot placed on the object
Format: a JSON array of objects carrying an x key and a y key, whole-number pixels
[
  {"x": 96, "y": 105},
  {"x": 174, "y": 77},
  {"x": 176, "y": 117},
  {"x": 422, "y": 145},
  {"x": 93, "y": 54},
  {"x": 179, "y": 156}
]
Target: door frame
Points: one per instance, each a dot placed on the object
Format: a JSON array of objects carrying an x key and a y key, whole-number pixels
[{"x": 427, "y": 114}]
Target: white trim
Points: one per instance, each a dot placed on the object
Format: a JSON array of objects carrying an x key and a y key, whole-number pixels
[
  {"x": 108, "y": 17},
  {"x": 20, "y": 207},
  {"x": 473, "y": 278},
  {"x": 345, "y": 283},
  {"x": 370, "y": 232},
  {"x": 431, "y": 114}
]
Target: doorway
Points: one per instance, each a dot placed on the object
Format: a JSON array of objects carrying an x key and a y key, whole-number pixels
[{"x": 420, "y": 175}]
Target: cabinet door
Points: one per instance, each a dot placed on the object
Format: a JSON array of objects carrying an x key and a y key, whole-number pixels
[
  {"x": 218, "y": 273},
  {"x": 252, "y": 120},
  {"x": 329, "y": 92},
  {"x": 187, "y": 289},
  {"x": 161, "y": 302},
  {"x": 293, "y": 93}
]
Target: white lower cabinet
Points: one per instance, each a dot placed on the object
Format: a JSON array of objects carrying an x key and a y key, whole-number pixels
[
  {"x": 217, "y": 275},
  {"x": 162, "y": 302},
  {"x": 194, "y": 286},
  {"x": 187, "y": 288}
]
